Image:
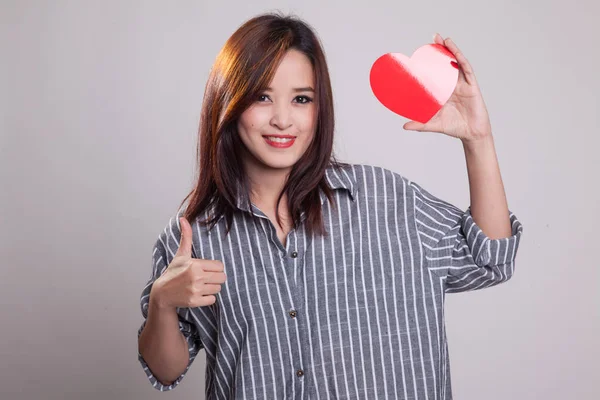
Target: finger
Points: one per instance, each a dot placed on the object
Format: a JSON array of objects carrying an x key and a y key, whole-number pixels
[
  {"x": 210, "y": 265},
  {"x": 185, "y": 244},
  {"x": 214, "y": 277},
  {"x": 206, "y": 300},
  {"x": 212, "y": 289},
  {"x": 414, "y": 126},
  {"x": 437, "y": 38},
  {"x": 464, "y": 64}
]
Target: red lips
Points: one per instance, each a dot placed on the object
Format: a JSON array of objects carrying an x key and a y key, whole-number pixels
[{"x": 415, "y": 87}]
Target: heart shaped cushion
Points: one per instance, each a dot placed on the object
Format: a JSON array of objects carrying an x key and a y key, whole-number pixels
[{"x": 415, "y": 87}]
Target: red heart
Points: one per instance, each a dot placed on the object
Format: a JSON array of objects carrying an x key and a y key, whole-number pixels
[{"x": 415, "y": 87}]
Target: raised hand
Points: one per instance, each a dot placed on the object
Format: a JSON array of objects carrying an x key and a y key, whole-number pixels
[
  {"x": 187, "y": 281},
  {"x": 464, "y": 115}
]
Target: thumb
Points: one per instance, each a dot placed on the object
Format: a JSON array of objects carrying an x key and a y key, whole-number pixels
[
  {"x": 185, "y": 244},
  {"x": 414, "y": 126}
]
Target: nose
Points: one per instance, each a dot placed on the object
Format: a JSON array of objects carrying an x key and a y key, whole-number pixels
[{"x": 282, "y": 117}]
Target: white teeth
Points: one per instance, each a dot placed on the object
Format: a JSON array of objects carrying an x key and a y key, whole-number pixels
[{"x": 279, "y": 140}]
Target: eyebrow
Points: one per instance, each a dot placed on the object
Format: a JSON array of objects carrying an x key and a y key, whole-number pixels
[{"x": 302, "y": 89}]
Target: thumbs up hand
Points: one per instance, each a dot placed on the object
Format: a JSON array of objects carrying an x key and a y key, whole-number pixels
[{"x": 187, "y": 281}]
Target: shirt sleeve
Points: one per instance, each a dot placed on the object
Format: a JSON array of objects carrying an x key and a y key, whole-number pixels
[
  {"x": 164, "y": 251},
  {"x": 458, "y": 250}
]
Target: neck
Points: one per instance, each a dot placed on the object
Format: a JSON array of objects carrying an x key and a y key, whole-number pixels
[{"x": 266, "y": 184}]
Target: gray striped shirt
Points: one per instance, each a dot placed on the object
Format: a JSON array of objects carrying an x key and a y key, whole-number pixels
[{"x": 358, "y": 314}]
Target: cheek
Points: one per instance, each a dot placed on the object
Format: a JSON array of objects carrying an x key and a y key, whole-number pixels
[
  {"x": 310, "y": 120},
  {"x": 256, "y": 118},
  {"x": 248, "y": 120}
]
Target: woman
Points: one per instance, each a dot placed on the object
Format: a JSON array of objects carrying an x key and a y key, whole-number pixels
[{"x": 303, "y": 277}]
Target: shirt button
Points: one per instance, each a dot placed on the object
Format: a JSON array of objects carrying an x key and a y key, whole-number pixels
[
  {"x": 294, "y": 254},
  {"x": 293, "y": 313},
  {"x": 299, "y": 372}
]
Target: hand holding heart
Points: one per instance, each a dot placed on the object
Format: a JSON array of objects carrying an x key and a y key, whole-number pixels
[
  {"x": 464, "y": 115},
  {"x": 416, "y": 87}
]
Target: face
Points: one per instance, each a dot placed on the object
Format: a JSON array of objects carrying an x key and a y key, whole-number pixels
[{"x": 286, "y": 108}]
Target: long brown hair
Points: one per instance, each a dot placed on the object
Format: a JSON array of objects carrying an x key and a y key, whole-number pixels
[{"x": 243, "y": 69}]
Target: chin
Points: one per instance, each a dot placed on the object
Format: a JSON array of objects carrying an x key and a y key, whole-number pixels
[{"x": 279, "y": 164}]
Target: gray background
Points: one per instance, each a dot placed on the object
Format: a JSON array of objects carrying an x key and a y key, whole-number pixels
[{"x": 99, "y": 110}]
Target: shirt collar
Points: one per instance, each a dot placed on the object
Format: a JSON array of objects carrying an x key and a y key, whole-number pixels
[{"x": 340, "y": 178}]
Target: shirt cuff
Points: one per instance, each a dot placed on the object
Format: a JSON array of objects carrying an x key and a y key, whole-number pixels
[{"x": 488, "y": 251}]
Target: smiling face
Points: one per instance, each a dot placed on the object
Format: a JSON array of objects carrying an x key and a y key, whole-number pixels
[{"x": 286, "y": 108}]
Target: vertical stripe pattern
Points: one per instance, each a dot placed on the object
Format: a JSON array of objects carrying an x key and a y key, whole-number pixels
[{"x": 356, "y": 314}]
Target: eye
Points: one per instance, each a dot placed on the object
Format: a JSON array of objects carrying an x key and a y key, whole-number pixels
[
  {"x": 261, "y": 96},
  {"x": 301, "y": 99},
  {"x": 308, "y": 99}
]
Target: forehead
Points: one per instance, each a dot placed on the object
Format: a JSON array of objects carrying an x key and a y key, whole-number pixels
[{"x": 295, "y": 69}]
